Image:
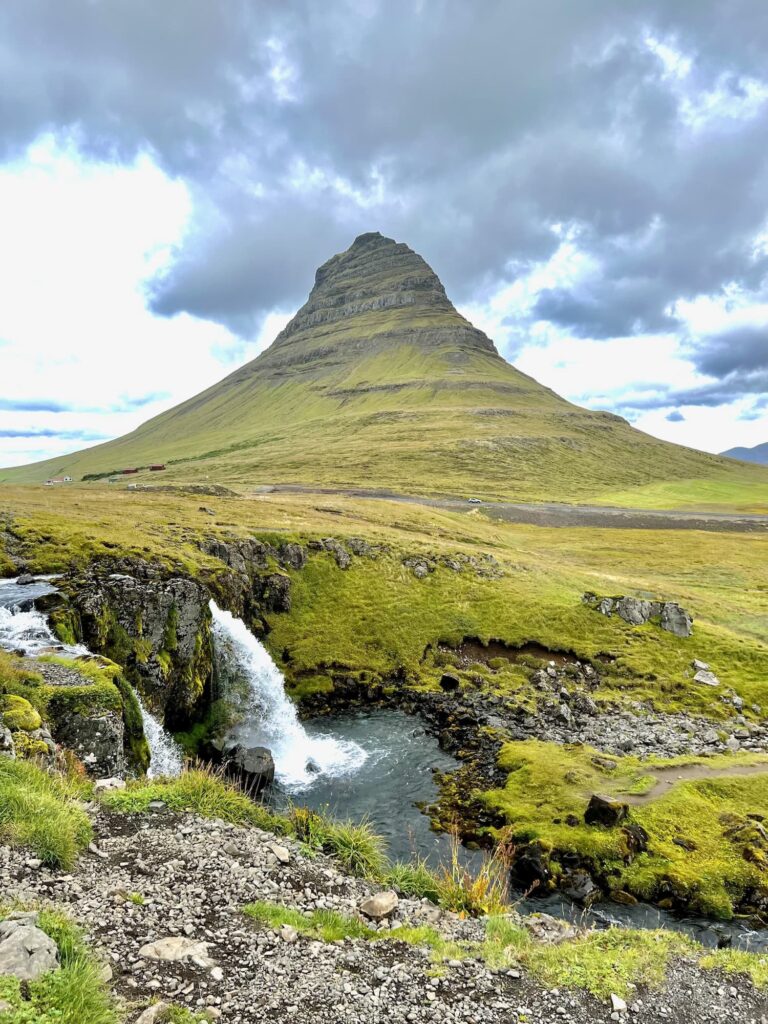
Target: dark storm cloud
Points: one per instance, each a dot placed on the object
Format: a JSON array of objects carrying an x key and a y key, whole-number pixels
[
  {"x": 743, "y": 349},
  {"x": 467, "y": 130}
]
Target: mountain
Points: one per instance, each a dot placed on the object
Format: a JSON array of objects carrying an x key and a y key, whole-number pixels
[
  {"x": 379, "y": 382},
  {"x": 758, "y": 454}
]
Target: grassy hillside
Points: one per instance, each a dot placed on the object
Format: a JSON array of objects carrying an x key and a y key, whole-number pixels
[
  {"x": 378, "y": 381},
  {"x": 379, "y": 623}
]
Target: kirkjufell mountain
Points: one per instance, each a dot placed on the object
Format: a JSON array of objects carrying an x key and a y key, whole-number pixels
[{"x": 378, "y": 381}]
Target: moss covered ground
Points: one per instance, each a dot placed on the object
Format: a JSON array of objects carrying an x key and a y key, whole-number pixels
[
  {"x": 706, "y": 848},
  {"x": 103, "y": 689}
]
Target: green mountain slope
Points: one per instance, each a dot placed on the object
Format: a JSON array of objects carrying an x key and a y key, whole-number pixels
[{"x": 379, "y": 382}]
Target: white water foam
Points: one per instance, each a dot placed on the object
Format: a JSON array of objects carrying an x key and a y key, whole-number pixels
[
  {"x": 269, "y": 716},
  {"x": 166, "y": 757},
  {"x": 28, "y": 631}
]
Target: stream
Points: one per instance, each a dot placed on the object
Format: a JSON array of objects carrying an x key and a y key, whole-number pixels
[{"x": 376, "y": 765}]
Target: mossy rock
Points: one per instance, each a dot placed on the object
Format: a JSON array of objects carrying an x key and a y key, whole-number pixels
[{"x": 18, "y": 713}]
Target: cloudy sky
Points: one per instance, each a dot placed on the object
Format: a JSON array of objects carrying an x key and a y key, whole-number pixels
[{"x": 590, "y": 181}]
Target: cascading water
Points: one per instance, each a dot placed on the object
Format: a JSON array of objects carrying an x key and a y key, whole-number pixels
[
  {"x": 268, "y": 717},
  {"x": 166, "y": 757},
  {"x": 24, "y": 628}
]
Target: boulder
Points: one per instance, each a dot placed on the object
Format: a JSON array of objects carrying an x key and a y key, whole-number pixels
[
  {"x": 253, "y": 768},
  {"x": 97, "y": 739},
  {"x": 380, "y": 905},
  {"x": 602, "y": 810},
  {"x": 633, "y": 610},
  {"x": 105, "y": 785},
  {"x": 177, "y": 947},
  {"x": 292, "y": 556},
  {"x": 25, "y": 580},
  {"x": 706, "y": 678},
  {"x": 531, "y": 868},
  {"x": 25, "y": 950},
  {"x": 676, "y": 620},
  {"x": 549, "y": 930},
  {"x": 699, "y": 666},
  {"x": 579, "y": 887}
]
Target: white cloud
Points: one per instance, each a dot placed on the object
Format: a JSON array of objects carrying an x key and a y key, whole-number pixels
[{"x": 79, "y": 241}]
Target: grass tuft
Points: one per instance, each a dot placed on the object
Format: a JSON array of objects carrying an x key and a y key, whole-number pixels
[
  {"x": 74, "y": 993},
  {"x": 39, "y": 811}
]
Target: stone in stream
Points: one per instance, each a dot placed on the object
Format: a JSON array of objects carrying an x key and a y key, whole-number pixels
[
  {"x": 25, "y": 950},
  {"x": 252, "y": 767},
  {"x": 602, "y": 810},
  {"x": 379, "y": 906}
]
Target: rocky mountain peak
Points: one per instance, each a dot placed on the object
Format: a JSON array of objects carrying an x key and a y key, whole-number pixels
[{"x": 375, "y": 273}]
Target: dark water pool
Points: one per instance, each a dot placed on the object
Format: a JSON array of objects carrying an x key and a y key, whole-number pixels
[{"x": 396, "y": 777}]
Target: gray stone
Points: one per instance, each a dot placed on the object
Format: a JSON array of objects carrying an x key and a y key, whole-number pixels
[
  {"x": 706, "y": 678},
  {"x": 98, "y": 740},
  {"x": 252, "y": 767},
  {"x": 675, "y": 619},
  {"x": 633, "y": 610},
  {"x": 7, "y": 746},
  {"x": 602, "y": 810},
  {"x": 380, "y": 905},
  {"x": 104, "y": 785},
  {"x": 25, "y": 950},
  {"x": 288, "y": 934},
  {"x": 282, "y": 853},
  {"x": 699, "y": 666},
  {"x": 153, "y": 1013},
  {"x": 177, "y": 947}
]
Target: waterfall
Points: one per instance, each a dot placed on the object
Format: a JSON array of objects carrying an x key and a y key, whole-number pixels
[
  {"x": 26, "y": 629},
  {"x": 166, "y": 757},
  {"x": 269, "y": 717}
]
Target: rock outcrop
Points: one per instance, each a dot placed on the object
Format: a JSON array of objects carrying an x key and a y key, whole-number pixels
[
  {"x": 26, "y": 952},
  {"x": 157, "y": 626},
  {"x": 637, "y": 612}
]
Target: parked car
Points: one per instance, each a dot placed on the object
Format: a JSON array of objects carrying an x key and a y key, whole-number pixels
[{"x": 475, "y": 501}]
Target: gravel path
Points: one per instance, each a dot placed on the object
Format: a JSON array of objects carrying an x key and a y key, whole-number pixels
[
  {"x": 194, "y": 875},
  {"x": 559, "y": 515}
]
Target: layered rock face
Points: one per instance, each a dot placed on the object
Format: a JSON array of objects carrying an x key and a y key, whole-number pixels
[
  {"x": 158, "y": 629},
  {"x": 377, "y": 292}
]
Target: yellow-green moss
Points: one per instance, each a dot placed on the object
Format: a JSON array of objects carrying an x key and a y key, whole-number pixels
[{"x": 18, "y": 713}]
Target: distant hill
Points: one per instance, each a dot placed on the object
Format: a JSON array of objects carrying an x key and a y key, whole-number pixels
[
  {"x": 757, "y": 454},
  {"x": 379, "y": 382}
]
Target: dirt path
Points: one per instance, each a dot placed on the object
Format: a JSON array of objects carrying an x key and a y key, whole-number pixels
[
  {"x": 666, "y": 778},
  {"x": 556, "y": 515}
]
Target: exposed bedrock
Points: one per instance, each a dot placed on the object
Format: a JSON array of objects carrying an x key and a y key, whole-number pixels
[{"x": 157, "y": 626}]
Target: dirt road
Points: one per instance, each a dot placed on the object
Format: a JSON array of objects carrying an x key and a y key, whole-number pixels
[{"x": 558, "y": 515}]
